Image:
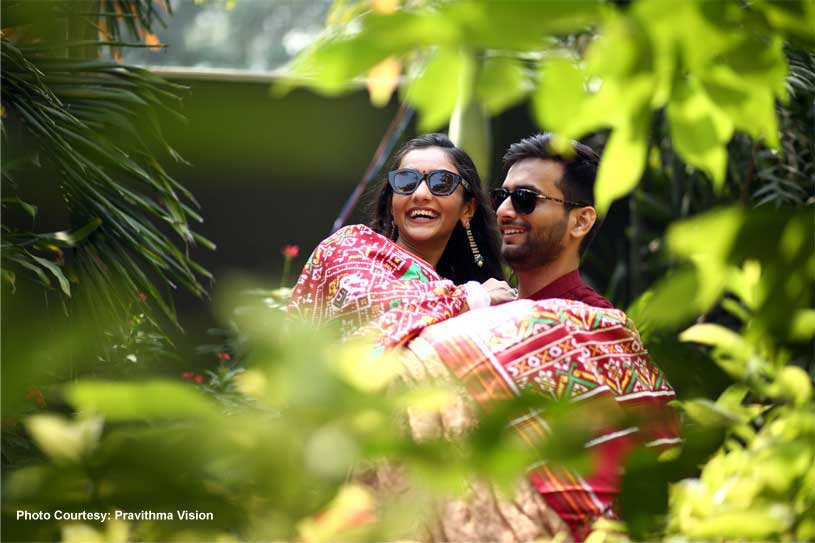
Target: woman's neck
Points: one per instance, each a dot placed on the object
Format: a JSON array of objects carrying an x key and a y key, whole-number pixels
[{"x": 431, "y": 255}]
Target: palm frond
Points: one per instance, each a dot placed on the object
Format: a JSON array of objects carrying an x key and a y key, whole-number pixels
[
  {"x": 788, "y": 177},
  {"x": 95, "y": 127}
]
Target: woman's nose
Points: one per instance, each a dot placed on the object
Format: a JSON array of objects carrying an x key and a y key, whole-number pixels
[{"x": 422, "y": 191}]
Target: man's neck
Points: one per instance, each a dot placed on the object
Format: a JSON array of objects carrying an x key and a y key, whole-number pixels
[{"x": 532, "y": 280}]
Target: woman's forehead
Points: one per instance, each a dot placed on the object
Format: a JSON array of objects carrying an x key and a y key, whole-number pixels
[{"x": 428, "y": 158}]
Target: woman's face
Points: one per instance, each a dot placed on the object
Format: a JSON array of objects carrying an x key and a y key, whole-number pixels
[{"x": 426, "y": 221}]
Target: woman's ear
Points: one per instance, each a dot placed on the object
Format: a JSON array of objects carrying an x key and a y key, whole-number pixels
[
  {"x": 467, "y": 212},
  {"x": 585, "y": 217}
]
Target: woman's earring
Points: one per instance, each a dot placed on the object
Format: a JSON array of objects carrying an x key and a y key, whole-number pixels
[
  {"x": 392, "y": 232},
  {"x": 479, "y": 260}
]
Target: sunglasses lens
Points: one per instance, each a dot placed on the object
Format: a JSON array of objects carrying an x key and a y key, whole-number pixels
[
  {"x": 498, "y": 197},
  {"x": 524, "y": 201},
  {"x": 442, "y": 183},
  {"x": 404, "y": 181}
]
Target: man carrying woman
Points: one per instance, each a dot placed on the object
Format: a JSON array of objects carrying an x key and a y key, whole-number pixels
[{"x": 423, "y": 276}]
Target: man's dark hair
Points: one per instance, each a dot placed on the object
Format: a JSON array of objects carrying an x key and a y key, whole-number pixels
[{"x": 579, "y": 170}]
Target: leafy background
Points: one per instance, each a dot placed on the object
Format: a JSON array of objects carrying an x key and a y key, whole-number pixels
[{"x": 707, "y": 141}]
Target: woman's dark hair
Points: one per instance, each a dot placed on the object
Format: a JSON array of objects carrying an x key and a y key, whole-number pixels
[{"x": 456, "y": 263}]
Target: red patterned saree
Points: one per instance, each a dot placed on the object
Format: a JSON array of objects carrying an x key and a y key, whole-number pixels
[
  {"x": 566, "y": 350},
  {"x": 561, "y": 348},
  {"x": 370, "y": 285}
]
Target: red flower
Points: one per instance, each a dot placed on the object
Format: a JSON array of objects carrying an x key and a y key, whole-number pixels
[
  {"x": 35, "y": 395},
  {"x": 290, "y": 251},
  {"x": 224, "y": 356},
  {"x": 199, "y": 379},
  {"x": 187, "y": 374},
  {"x": 142, "y": 296}
]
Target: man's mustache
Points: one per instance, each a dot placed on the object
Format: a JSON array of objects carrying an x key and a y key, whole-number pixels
[{"x": 520, "y": 224}]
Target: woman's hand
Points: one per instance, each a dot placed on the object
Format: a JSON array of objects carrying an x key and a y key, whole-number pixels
[{"x": 500, "y": 292}]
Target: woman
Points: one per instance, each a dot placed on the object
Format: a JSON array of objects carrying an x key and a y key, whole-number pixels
[{"x": 432, "y": 229}]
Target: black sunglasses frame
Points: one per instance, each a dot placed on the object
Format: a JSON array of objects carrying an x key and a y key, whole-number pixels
[
  {"x": 426, "y": 177},
  {"x": 524, "y": 201}
]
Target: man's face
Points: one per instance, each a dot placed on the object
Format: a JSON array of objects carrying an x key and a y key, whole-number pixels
[{"x": 535, "y": 239}]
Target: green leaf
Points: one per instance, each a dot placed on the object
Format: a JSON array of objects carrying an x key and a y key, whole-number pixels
[
  {"x": 792, "y": 17},
  {"x": 718, "y": 336},
  {"x": 25, "y": 263},
  {"x": 745, "y": 283},
  {"x": 795, "y": 384},
  {"x": 736, "y": 309},
  {"x": 435, "y": 90},
  {"x": 643, "y": 499},
  {"x": 71, "y": 238},
  {"x": 699, "y": 129},
  {"x": 149, "y": 400},
  {"x": 204, "y": 242},
  {"x": 62, "y": 439},
  {"x": 759, "y": 61},
  {"x": 31, "y": 209},
  {"x": 622, "y": 50},
  {"x": 623, "y": 160},
  {"x": 803, "y": 325},
  {"x": 56, "y": 271},
  {"x": 750, "y": 107},
  {"x": 692, "y": 237},
  {"x": 689, "y": 20},
  {"x": 756, "y": 523},
  {"x": 732, "y": 352},
  {"x": 560, "y": 96},
  {"x": 330, "y": 64},
  {"x": 502, "y": 82},
  {"x": 518, "y": 24},
  {"x": 9, "y": 277},
  {"x": 691, "y": 240},
  {"x": 710, "y": 414}
]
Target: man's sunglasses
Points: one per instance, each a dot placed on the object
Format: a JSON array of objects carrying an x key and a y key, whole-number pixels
[
  {"x": 439, "y": 182},
  {"x": 525, "y": 200}
]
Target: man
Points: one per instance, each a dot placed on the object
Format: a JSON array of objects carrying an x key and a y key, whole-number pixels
[
  {"x": 546, "y": 217},
  {"x": 545, "y": 212}
]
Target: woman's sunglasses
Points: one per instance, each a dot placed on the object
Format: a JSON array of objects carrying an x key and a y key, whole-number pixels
[
  {"x": 439, "y": 182},
  {"x": 525, "y": 200}
]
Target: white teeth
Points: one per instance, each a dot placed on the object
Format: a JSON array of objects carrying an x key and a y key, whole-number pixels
[
  {"x": 509, "y": 232},
  {"x": 423, "y": 213}
]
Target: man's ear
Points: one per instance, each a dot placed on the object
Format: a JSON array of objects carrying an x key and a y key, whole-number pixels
[
  {"x": 467, "y": 212},
  {"x": 585, "y": 217}
]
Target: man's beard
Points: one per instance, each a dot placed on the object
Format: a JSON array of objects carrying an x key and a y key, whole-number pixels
[{"x": 538, "y": 250}]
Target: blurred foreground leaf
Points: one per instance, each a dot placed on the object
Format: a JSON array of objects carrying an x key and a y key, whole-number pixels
[{"x": 140, "y": 401}]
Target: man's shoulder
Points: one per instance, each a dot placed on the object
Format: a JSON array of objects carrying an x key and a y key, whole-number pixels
[
  {"x": 571, "y": 287},
  {"x": 584, "y": 293}
]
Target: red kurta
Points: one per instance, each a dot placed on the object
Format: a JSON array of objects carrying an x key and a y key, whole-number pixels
[{"x": 571, "y": 287}]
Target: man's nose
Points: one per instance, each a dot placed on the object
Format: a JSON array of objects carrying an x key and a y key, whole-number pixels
[{"x": 505, "y": 211}]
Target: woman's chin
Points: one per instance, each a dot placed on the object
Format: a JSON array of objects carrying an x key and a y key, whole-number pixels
[{"x": 422, "y": 237}]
